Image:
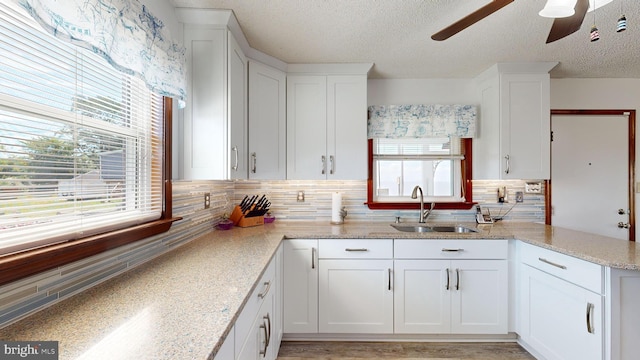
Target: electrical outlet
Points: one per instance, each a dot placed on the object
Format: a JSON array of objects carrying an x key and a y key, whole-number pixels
[
  {"x": 300, "y": 196},
  {"x": 207, "y": 200},
  {"x": 519, "y": 196},
  {"x": 533, "y": 188}
]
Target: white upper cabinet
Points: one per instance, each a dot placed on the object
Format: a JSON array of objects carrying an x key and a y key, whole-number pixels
[
  {"x": 214, "y": 134},
  {"x": 238, "y": 119},
  {"x": 514, "y": 135},
  {"x": 327, "y": 125},
  {"x": 267, "y": 123}
]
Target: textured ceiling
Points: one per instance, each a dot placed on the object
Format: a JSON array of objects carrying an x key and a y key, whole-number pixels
[{"x": 395, "y": 35}]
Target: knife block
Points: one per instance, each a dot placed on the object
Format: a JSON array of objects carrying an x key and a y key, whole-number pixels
[{"x": 239, "y": 220}]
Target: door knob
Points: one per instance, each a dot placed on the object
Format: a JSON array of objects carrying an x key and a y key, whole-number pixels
[
  {"x": 622, "y": 225},
  {"x": 622, "y": 211}
]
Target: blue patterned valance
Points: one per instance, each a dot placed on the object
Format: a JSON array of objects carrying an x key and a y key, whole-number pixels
[
  {"x": 420, "y": 121},
  {"x": 124, "y": 32}
]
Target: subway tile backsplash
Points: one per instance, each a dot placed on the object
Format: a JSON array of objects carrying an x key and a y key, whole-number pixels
[{"x": 23, "y": 297}]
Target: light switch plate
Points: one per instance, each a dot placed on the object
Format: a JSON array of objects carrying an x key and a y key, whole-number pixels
[{"x": 207, "y": 200}]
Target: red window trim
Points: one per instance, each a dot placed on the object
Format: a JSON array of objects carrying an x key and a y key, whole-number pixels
[
  {"x": 20, "y": 265},
  {"x": 467, "y": 173}
]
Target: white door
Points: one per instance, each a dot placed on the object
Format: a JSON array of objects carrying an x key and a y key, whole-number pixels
[
  {"x": 561, "y": 320},
  {"x": 356, "y": 296},
  {"x": 479, "y": 296},
  {"x": 589, "y": 173},
  {"x": 422, "y": 297},
  {"x": 307, "y": 127},
  {"x": 300, "y": 286}
]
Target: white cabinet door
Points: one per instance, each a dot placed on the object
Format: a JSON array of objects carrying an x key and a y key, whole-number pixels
[
  {"x": 300, "y": 293},
  {"x": 422, "y": 297},
  {"x": 267, "y": 123},
  {"x": 479, "y": 296},
  {"x": 451, "y": 296},
  {"x": 326, "y": 127},
  {"x": 356, "y": 296},
  {"x": 514, "y": 134},
  {"x": 347, "y": 127},
  {"x": 560, "y": 320},
  {"x": 526, "y": 126},
  {"x": 276, "y": 337},
  {"x": 237, "y": 111},
  {"x": 307, "y": 127},
  {"x": 205, "y": 139}
]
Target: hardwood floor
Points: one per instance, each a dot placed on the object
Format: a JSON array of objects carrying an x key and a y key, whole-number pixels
[{"x": 401, "y": 351}]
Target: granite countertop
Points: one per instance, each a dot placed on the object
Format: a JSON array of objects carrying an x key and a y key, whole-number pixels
[{"x": 182, "y": 304}]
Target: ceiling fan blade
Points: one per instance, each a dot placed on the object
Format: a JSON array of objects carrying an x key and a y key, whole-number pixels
[
  {"x": 470, "y": 19},
  {"x": 566, "y": 26}
]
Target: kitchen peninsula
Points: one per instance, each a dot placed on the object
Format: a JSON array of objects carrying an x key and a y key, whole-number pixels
[{"x": 183, "y": 305}]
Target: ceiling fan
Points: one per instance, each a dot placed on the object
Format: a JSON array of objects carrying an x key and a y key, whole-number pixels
[{"x": 561, "y": 26}]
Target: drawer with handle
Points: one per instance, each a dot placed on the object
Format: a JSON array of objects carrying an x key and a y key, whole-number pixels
[
  {"x": 580, "y": 272},
  {"x": 450, "y": 249},
  {"x": 355, "y": 249}
]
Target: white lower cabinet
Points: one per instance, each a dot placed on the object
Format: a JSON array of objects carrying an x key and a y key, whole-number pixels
[
  {"x": 624, "y": 314},
  {"x": 356, "y": 296},
  {"x": 256, "y": 333},
  {"x": 300, "y": 282},
  {"x": 355, "y": 286},
  {"x": 227, "y": 350},
  {"x": 451, "y": 296},
  {"x": 561, "y": 308}
]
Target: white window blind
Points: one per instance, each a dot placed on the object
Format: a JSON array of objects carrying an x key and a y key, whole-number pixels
[
  {"x": 80, "y": 142},
  {"x": 433, "y": 163}
]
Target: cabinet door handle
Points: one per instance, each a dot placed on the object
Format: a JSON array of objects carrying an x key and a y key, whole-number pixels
[
  {"x": 267, "y": 285},
  {"x": 313, "y": 258},
  {"x": 451, "y": 250},
  {"x": 389, "y": 283},
  {"x": 590, "y": 328},
  {"x": 457, "y": 279},
  {"x": 508, "y": 169},
  {"x": 447, "y": 286},
  {"x": 254, "y": 157},
  {"x": 552, "y": 263},
  {"x": 324, "y": 164},
  {"x": 332, "y": 167},
  {"x": 263, "y": 352},
  {"x": 268, "y": 318},
  {"x": 235, "y": 150},
  {"x": 356, "y": 250}
]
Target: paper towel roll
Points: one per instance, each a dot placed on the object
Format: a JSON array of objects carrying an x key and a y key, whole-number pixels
[{"x": 336, "y": 205}]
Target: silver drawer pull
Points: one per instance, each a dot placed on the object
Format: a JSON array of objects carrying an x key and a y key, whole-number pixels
[
  {"x": 552, "y": 263},
  {"x": 361, "y": 250},
  {"x": 267, "y": 285},
  {"x": 451, "y": 250},
  {"x": 447, "y": 287}
]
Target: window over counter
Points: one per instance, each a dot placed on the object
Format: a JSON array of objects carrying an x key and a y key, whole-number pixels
[
  {"x": 83, "y": 152},
  {"x": 440, "y": 166}
]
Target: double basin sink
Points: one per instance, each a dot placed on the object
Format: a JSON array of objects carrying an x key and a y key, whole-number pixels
[{"x": 424, "y": 228}]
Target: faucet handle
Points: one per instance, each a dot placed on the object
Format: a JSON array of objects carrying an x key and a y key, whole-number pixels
[{"x": 397, "y": 219}]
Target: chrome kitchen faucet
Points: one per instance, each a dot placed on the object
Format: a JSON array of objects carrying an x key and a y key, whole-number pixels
[{"x": 424, "y": 214}]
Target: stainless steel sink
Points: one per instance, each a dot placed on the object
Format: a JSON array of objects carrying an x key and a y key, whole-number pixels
[{"x": 433, "y": 228}]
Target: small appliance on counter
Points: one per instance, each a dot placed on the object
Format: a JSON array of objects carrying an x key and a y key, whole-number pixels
[{"x": 251, "y": 211}]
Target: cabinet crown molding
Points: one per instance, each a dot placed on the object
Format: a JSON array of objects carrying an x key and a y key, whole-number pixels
[
  {"x": 330, "y": 69},
  {"x": 517, "y": 68}
]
